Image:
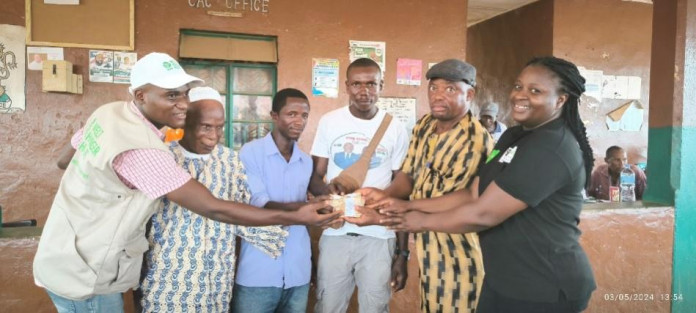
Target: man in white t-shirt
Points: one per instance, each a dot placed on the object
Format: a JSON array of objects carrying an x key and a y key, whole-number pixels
[{"x": 351, "y": 255}]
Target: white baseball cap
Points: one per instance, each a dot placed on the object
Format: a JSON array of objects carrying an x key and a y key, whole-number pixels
[
  {"x": 161, "y": 70},
  {"x": 204, "y": 93}
]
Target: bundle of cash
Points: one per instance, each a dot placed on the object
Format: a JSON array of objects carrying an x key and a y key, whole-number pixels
[{"x": 347, "y": 203}]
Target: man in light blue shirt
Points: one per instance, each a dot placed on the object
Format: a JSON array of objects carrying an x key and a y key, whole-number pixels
[{"x": 278, "y": 174}]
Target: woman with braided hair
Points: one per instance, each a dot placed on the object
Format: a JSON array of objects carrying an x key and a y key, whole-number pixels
[{"x": 529, "y": 203}]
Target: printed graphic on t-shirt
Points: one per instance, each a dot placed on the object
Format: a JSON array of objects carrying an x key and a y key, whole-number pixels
[
  {"x": 508, "y": 155},
  {"x": 348, "y": 148}
]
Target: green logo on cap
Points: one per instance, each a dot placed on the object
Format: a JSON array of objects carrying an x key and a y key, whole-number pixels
[{"x": 171, "y": 65}]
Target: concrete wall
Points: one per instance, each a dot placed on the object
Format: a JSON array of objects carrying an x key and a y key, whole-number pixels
[
  {"x": 631, "y": 254},
  {"x": 613, "y": 36},
  {"x": 18, "y": 293},
  {"x": 673, "y": 133},
  {"x": 311, "y": 28},
  {"x": 500, "y": 47},
  {"x": 17, "y": 290}
]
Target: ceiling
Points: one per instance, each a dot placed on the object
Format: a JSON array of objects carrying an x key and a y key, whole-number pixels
[{"x": 481, "y": 10}]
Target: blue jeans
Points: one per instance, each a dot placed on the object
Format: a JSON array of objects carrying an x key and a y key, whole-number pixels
[
  {"x": 269, "y": 299},
  {"x": 111, "y": 303}
]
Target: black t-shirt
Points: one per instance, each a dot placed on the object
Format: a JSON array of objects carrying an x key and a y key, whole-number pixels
[{"x": 535, "y": 253}]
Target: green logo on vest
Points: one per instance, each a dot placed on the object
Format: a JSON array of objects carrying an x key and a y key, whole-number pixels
[{"x": 89, "y": 146}]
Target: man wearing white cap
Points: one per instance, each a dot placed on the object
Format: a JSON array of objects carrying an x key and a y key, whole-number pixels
[
  {"x": 93, "y": 241},
  {"x": 188, "y": 250}
]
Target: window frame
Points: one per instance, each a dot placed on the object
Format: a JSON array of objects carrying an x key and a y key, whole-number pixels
[{"x": 229, "y": 66}]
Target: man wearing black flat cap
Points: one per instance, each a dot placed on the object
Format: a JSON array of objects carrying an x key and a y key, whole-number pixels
[{"x": 447, "y": 147}]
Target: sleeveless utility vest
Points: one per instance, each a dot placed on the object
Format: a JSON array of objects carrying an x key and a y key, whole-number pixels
[{"x": 94, "y": 239}]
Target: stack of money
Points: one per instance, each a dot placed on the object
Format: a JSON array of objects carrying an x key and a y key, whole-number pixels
[{"x": 346, "y": 204}]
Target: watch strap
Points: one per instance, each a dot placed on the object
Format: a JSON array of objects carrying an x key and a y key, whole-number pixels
[{"x": 404, "y": 253}]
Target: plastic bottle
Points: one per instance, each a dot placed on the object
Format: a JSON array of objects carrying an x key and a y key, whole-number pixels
[{"x": 627, "y": 183}]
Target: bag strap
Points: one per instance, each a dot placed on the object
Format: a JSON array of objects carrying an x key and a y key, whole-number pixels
[
  {"x": 353, "y": 177},
  {"x": 372, "y": 146}
]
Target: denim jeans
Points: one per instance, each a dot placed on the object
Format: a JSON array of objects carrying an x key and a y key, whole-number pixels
[
  {"x": 269, "y": 299},
  {"x": 111, "y": 303}
]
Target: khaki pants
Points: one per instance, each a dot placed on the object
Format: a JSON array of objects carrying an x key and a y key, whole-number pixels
[{"x": 346, "y": 261}]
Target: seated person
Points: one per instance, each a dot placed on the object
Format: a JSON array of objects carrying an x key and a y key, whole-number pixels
[
  {"x": 489, "y": 119},
  {"x": 608, "y": 174}
]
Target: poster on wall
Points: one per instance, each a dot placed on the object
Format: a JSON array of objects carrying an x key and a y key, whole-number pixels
[
  {"x": 409, "y": 72},
  {"x": 12, "y": 65},
  {"x": 101, "y": 66},
  {"x": 634, "y": 87},
  {"x": 621, "y": 87},
  {"x": 627, "y": 117},
  {"x": 123, "y": 63},
  {"x": 36, "y": 56},
  {"x": 403, "y": 109},
  {"x": 593, "y": 83},
  {"x": 615, "y": 87},
  {"x": 325, "y": 77},
  {"x": 375, "y": 50}
]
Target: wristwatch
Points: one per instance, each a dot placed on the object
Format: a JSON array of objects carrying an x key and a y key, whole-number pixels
[{"x": 404, "y": 253}]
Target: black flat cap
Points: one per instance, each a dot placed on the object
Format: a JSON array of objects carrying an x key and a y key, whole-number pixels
[{"x": 453, "y": 70}]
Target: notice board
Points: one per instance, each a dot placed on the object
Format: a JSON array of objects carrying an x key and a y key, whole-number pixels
[{"x": 97, "y": 24}]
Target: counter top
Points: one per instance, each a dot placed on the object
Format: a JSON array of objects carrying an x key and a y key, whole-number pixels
[
  {"x": 596, "y": 206},
  {"x": 20, "y": 232}
]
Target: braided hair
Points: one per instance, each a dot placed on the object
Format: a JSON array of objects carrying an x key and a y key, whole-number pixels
[{"x": 573, "y": 84}]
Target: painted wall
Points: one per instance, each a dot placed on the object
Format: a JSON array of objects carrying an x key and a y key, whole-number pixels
[
  {"x": 673, "y": 126},
  {"x": 631, "y": 254},
  {"x": 615, "y": 37},
  {"x": 667, "y": 89},
  {"x": 18, "y": 291},
  {"x": 500, "y": 47},
  {"x": 32, "y": 141}
]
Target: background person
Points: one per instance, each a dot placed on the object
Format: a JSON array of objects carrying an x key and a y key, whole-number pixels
[
  {"x": 608, "y": 175},
  {"x": 489, "y": 119}
]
